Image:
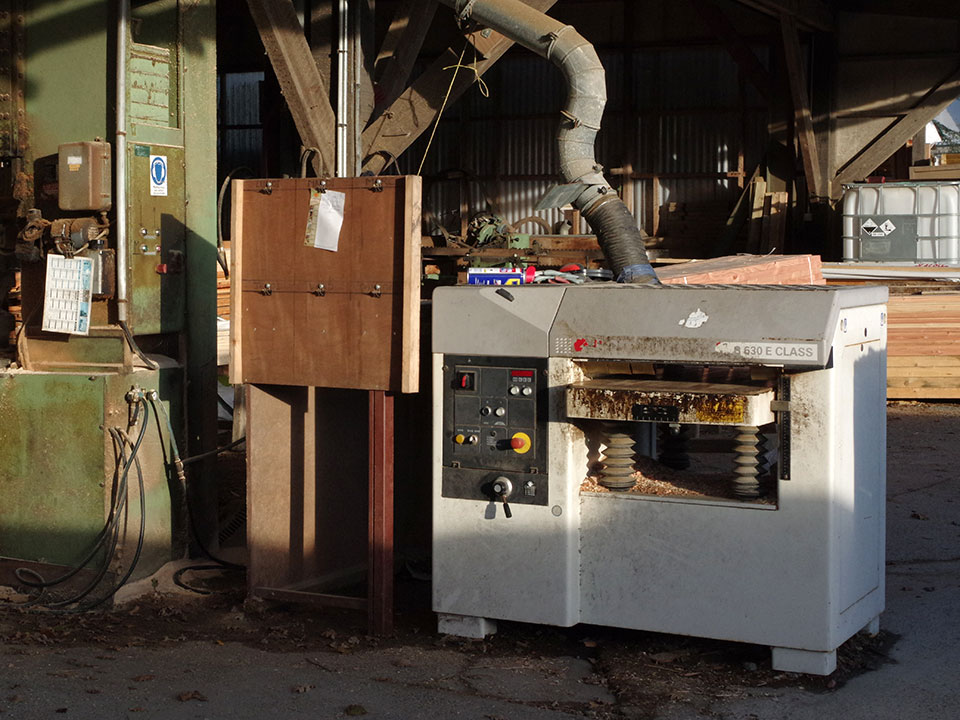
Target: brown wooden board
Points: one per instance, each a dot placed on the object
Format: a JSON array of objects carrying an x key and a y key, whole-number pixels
[
  {"x": 746, "y": 269},
  {"x": 306, "y": 487},
  {"x": 311, "y": 317}
]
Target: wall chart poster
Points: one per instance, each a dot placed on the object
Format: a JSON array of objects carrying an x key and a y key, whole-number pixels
[{"x": 67, "y": 295}]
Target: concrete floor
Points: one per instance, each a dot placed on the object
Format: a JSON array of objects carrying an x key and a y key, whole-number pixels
[{"x": 213, "y": 679}]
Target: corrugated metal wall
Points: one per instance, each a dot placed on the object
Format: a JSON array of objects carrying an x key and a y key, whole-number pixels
[{"x": 680, "y": 114}]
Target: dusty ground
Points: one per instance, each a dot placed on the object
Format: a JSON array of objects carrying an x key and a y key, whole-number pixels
[{"x": 612, "y": 673}]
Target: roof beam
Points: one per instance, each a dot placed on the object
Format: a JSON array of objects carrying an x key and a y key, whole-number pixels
[
  {"x": 400, "y": 49},
  {"x": 417, "y": 107},
  {"x": 900, "y": 131},
  {"x": 925, "y": 9},
  {"x": 305, "y": 91},
  {"x": 801, "y": 107},
  {"x": 809, "y": 14},
  {"x": 719, "y": 24}
]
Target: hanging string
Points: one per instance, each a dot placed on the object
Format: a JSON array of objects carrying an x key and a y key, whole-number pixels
[
  {"x": 484, "y": 90},
  {"x": 442, "y": 108}
]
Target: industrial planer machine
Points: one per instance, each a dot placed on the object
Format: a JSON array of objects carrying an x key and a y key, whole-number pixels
[{"x": 554, "y": 405}]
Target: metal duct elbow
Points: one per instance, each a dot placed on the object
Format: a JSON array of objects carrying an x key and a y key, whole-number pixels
[{"x": 616, "y": 229}]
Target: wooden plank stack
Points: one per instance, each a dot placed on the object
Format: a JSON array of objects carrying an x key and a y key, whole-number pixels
[{"x": 923, "y": 343}]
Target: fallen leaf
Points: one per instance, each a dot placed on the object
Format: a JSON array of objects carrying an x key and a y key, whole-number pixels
[
  {"x": 354, "y": 710},
  {"x": 143, "y": 678},
  {"x": 192, "y": 695},
  {"x": 918, "y": 516},
  {"x": 93, "y": 691},
  {"x": 302, "y": 688}
]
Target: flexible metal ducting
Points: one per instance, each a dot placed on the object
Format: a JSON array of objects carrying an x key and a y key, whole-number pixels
[{"x": 616, "y": 229}]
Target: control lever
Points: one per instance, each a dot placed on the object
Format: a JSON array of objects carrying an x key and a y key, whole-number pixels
[{"x": 502, "y": 487}]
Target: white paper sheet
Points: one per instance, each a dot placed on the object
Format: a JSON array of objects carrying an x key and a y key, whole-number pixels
[{"x": 325, "y": 219}]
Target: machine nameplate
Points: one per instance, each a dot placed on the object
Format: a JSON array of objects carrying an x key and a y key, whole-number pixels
[
  {"x": 656, "y": 413},
  {"x": 785, "y": 352}
]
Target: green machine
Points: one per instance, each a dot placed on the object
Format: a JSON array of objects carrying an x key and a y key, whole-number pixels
[{"x": 108, "y": 207}]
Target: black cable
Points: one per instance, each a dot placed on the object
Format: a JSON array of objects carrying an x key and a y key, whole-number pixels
[
  {"x": 110, "y": 529},
  {"x": 140, "y": 538},
  {"x": 178, "y": 577},
  {"x": 221, "y": 253},
  {"x": 178, "y": 464},
  {"x": 211, "y": 453},
  {"x": 136, "y": 348}
]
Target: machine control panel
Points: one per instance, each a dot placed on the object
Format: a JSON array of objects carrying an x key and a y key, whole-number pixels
[{"x": 494, "y": 429}]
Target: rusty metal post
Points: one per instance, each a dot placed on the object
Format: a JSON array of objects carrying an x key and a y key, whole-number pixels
[{"x": 380, "y": 515}]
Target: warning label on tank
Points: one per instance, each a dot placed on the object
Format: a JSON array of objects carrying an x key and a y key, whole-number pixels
[
  {"x": 872, "y": 229},
  {"x": 775, "y": 352}
]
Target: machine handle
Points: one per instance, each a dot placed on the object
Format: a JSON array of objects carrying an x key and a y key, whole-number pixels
[{"x": 501, "y": 488}]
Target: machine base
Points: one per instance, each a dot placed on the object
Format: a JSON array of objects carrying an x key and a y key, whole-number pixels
[
  {"x": 466, "y": 626},
  {"x": 872, "y": 628},
  {"x": 804, "y": 661}
]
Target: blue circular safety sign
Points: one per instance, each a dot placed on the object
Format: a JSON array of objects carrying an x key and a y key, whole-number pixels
[{"x": 158, "y": 170}]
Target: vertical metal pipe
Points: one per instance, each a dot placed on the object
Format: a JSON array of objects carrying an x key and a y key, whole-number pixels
[
  {"x": 356, "y": 66},
  {"x": 120, "y": 231},
  {"x": 342, "y": 85}
]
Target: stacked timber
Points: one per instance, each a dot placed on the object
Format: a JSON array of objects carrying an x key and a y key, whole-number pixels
[
  {"x": 14, "y": 308},
  {"x": 923, "y": 343},
  {"x": 923, "y": 326},
  {"x": 686, "y": 229},
  {"x": 746, "y": 270},
  {"x": 223, "y": 314}
]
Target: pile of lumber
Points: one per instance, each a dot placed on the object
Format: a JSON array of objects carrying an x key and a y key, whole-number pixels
[
  {"x": 923, "y": 344},
  {"x": 746, "y": 270},
  {"x": 767, "y": 225},
  {"x": 13, "y": 306},
  {"x": 688, "y": 229},
  {"x": 223, "y": 289}
]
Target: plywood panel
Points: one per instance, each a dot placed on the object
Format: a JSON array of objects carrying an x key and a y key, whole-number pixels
[{"x": 305, "y": 316}]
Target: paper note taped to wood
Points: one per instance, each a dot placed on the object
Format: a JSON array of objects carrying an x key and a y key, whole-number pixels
[{"x": 325, "y": 219}]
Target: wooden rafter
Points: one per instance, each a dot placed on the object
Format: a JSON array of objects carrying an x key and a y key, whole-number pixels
[
  {"x": 801, "y": 107},
  {"x": 416, "y": 109},
  {"x": 719, "y": 24},
  {"x": 900, "y": 131},
  {"x": 400, "y": 49},
  {"x": 306, "y": 93},
  {"x": 809, "y": 14}
]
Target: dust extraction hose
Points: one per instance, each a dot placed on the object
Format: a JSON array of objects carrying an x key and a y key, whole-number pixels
[{"x": 616, "y": 229}]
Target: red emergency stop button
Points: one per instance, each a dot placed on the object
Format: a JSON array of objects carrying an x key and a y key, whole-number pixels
[{"x": 520, "y": 443}]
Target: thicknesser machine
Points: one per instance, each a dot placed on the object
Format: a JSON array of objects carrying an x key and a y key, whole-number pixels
[{"x": 547, "y": 398}]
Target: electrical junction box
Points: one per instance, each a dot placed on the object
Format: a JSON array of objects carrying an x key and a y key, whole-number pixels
[
  {"x": 531, "y": 387},
  {"x": 84, "y": 176}
]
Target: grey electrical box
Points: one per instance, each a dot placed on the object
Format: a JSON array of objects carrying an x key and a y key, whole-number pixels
[{"x": 84, "y": 176}]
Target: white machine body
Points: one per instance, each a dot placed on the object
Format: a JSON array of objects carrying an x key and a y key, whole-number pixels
[{"x": 801, "y": 574}]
